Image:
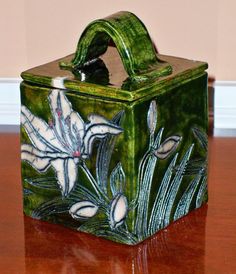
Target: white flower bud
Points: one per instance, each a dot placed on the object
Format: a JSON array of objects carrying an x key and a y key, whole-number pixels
[
  {"x": 152, "y": 117},
  {"x": 83, "y": 210},
  {"x": 167, "y": 147},
  {"x": 119, "y": 210}
]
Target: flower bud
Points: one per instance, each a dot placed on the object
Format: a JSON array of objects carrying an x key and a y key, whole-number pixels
[
  {"x": 118, "y": 211},
  {"x": 167, "y": 147},
  {"x": 83, "y": 210},
  {"x": 152, "y": 117}
]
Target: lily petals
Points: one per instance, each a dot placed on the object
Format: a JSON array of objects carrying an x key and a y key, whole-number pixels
[
  {"x": 168, "y": 146},
  {"x": 66, "y": 170},
  {"x": 97, "y": 119},
  {"x": 119, "y": 210},
  {"x": 33, "y": 150},
  {"x": 83, "y": 210},
  {"x": 77, "y": 125},
  {"x": 61, "y": 110},
  {"x": 117, "y": 180},
  {"x": 40, "y": 134},
  {"x": 98, "y": 131},
  {"x": 64, "y": 141},
  {"x": 39, "y": 162},
  {"x": 58, "y": 101}
]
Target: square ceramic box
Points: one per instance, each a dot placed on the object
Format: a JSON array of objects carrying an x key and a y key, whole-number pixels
[{"x": 113, "y": 139}]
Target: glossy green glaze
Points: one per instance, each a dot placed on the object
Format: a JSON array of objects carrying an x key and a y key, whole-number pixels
[
  {"x": 147, "y": 166},
  {"x": 132, "y": 42}
]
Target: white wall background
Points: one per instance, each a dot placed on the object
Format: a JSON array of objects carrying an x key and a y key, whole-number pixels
[
  {"x": 34, "y": 32},
  {"x": 9, "y": 101},
  {"x": 225, "y": 105}
]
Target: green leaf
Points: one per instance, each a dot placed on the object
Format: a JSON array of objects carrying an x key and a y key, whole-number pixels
[
  {"x": 195, "y": 167},
  {"x": 168, "y": 202},
  {"x": 54, "y": 206},
  {"x": 117, "y": 180},
  {"x": 46, "y": 186},
  {"x": 49, "y": 183},
  {"x": 159, "y": 200},
  {"x": 81, "y": 193},
  {"x": 201, "y": 137},
  {"x": 104, "y": 153},
  {"x": 146, "y": 172},
  {"x": 27, "y": 191},
  {"x": 201, "y": 193},
  {"x": 186, "y": 200}
]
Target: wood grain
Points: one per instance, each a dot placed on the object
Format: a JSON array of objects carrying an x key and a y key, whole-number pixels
[{"x": 202, "y": 242}]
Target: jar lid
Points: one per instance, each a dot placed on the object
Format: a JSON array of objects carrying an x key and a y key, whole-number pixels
[{"x": 115, "y": 59}]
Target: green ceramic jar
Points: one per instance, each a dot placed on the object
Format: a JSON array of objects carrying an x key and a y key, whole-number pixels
[{"x": 114, "y": 138}]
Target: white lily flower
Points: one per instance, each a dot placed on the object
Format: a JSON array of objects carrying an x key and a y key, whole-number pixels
[{"x": 64, "y": 141}]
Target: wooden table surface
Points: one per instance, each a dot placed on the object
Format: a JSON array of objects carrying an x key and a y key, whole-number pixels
[{"x": 202, "y": 242}]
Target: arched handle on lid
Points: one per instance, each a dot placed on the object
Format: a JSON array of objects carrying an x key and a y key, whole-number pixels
[{"x": 132, "y": 42}]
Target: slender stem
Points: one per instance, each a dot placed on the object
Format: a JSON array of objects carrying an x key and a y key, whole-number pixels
[
  {"x": 142, "y": 169},
  {"x": 141, "y": 192},
  {"x": 147, "y": 167},
  {"x": 151, "y": 141},
  {"x": 147, "y": 184},
  {"x": 94, "y": 184}
]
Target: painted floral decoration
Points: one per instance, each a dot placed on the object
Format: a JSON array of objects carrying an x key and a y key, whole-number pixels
[
  {"x": 65, "y": 141},
  {"x": 98, "y": 202}
]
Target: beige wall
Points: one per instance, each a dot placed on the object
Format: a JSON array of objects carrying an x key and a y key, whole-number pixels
[
  {"x": 34, "y": 32},
  {"x": 13, "y": 38}
]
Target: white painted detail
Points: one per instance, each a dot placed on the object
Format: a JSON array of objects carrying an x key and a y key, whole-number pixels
[
  {"x": 96, "y": 131},
  {"x": 152, "y": 117},
  {"x": 118, "y": 212},
  {"x": 83, "y": 210},
  {"x": 121, "y": 209},
  {"x": 168, "y": 146},
  {"x": 62, "y": 141},
  {"x": 58, "y": 82},
  {"x": 83, "y": 77},
  {"x": 225, "y": 105}
]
